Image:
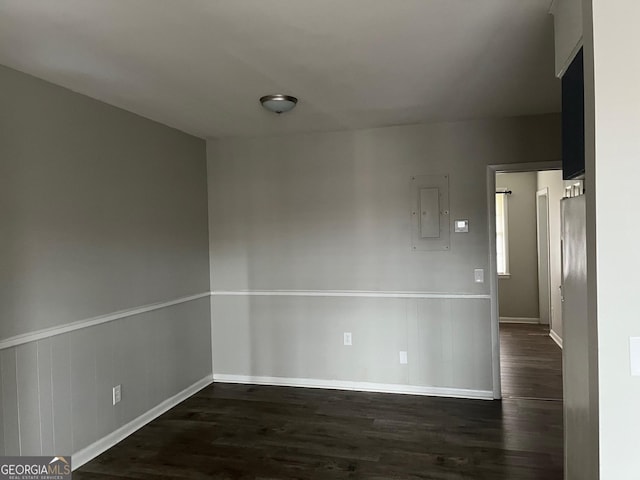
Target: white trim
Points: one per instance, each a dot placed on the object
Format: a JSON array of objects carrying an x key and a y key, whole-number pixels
[
  {"x": 39, "y": 400},
  {"x": 347, "y": 293},
  {"x": 502, "y": 194},
  {"x": 544, "y": 193},
  {"x": 493, "y": 284},
  {"x": 15, "y": 359},
  {"x": 519, "y": 320},
  {"x": 526, "y": 166},
  {"x": 212, "y": 339},
  {"x": 90, "y": 322},
  {"x": 356, "y": 386},
  {"x": 92, "y": 451},
  {"x": 556, "y": 338}
]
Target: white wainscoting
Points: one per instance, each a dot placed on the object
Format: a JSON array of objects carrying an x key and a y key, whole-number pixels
[
  {"x": 64, "y": 375},
  {"x": 268, "y": 336},
  {"x": 56, "y": 385}
]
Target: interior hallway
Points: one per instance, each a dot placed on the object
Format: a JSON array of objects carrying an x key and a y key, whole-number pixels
[
  {"x": 249, "y": 432},
  {"x": 530, "y": 362}
]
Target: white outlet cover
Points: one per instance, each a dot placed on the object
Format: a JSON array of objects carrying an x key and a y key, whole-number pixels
[
  {"x": 403, "y": 358},
  {"x": 117, "y": 394},
  {"x": 348, "y": 339},
  {"x": 634, "y": 356}
]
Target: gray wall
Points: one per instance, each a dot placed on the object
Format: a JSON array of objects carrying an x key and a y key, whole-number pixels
[
  {"x": 331, "y": 212},
  {"x": 102, "y": 211},
  {"x": 518, "y": 294}
]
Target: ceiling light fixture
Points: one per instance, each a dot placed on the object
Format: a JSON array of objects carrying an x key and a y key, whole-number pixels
[{"x": 278, "y": 103}]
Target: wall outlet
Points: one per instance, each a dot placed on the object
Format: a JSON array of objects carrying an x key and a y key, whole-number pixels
[
  {"x": 403, "y": 358},
  {"x": 634, "y": 354},
  {"x": 347, "y": 338},
  {"x": 117, "y": 394}
]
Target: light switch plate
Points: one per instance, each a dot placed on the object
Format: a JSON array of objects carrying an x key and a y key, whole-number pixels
[
  {"x": 461, "y": 226},
  {"x": 478, "y": 275},
  {"x": 634, "y": 356},
  {"x": 348, "y": 340}
]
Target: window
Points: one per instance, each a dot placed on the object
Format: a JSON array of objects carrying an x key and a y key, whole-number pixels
[{"x": 502, "y": 232}]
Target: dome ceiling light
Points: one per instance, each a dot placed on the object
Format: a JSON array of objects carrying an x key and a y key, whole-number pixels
[{"x": 278, "y": 103}]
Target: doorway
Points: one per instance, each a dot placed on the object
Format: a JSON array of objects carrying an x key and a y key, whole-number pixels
[
  {"x": 531, "y": 364},
  {"x": 527, "y": 363}
]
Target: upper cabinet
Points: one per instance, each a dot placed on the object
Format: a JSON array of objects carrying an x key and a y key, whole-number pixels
[{"x": 567, "y": 19}]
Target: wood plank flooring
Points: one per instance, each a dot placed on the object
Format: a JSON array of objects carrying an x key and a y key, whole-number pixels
[
  {"x": 530, "y": 362},
  {"x": 260, "y": 432}
]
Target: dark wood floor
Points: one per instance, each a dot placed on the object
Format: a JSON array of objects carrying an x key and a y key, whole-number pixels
[
  {"x": 259, "y": 432},
  {"x": 530, "y": 362}
]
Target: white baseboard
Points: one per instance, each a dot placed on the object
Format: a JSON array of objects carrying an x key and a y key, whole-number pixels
[
  {"x": 92, "y": 451},
  {"x": 519, "y": 320},
  {"x": 556, "y": 338},
  {"x": 356, "y": 386}
]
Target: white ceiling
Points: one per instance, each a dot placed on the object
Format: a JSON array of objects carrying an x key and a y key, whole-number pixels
[{"x": 201, "y": 65}]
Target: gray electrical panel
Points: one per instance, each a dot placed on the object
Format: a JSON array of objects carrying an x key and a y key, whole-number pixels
[{"x": 430, "y": 219}]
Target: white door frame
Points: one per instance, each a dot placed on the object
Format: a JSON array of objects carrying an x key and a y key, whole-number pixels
[
  {"x": 544, "y": 193},
  {"x": 493, "y": 268}
]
